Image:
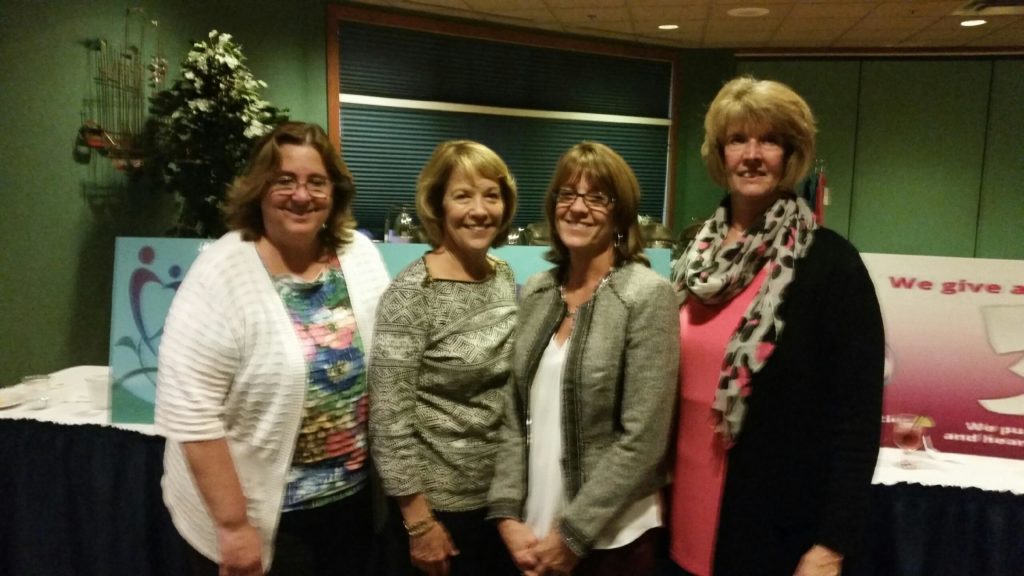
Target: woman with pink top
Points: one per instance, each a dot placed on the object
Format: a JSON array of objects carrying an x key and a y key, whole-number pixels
[{"x": 781, "y": 360}]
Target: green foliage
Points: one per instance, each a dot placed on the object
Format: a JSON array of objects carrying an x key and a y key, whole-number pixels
[{"x": 202, "y": 129}]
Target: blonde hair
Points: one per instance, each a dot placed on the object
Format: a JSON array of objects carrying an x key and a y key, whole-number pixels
[
  {"x": 474, "y": 158},
  {"x": 606, "y": 171},
  {"x": 767, "y": 105},
  {"x": 242, "y": 209}
]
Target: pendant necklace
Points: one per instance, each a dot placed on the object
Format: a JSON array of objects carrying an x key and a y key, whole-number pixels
[{"x": 570, "y": 312}]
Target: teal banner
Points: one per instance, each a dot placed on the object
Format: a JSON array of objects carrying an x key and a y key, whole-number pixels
[{"x": 148, "y": 271}]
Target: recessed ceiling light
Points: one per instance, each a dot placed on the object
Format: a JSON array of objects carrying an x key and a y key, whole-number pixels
[
  {"x": 972, "y": 23},
  {"x": 668, "y": 27},
  {"x": 748, "y": 12}
]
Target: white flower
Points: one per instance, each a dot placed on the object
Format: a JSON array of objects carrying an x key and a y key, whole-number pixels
[
  {"x": 201, "y": 104},
  {"x": 254, "y": 130}
]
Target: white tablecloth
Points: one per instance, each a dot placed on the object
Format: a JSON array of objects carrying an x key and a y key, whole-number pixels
[
  {"x": 70, "y": 404},
  {"x": 949, "y": 469},
  {"x": 69, "y": 401}
]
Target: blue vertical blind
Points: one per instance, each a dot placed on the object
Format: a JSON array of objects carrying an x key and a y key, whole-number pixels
[{"x": 385, "y": 143}]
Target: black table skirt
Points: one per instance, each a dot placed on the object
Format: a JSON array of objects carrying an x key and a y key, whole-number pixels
[
  {"x": 940, "y": 531},
  {"x": 85, "y": 500}
]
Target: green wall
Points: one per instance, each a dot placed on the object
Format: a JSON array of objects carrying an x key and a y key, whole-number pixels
[
  {"x": 58, "y": 239},
  {"x": 924, "y": 156}
]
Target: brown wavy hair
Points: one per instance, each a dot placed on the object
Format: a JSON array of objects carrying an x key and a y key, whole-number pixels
[
  {"x": 475, "y": 158},
  {"x": 242, "y": 208},
  {"x": 609, "y": 173}
]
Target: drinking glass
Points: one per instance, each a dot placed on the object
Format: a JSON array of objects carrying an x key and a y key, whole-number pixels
[
  {"x": 36, "y": 389},
  {"x": 906, "y": 434}
]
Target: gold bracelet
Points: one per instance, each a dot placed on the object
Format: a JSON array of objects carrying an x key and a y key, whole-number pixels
[{"x": 420, "y": 527}]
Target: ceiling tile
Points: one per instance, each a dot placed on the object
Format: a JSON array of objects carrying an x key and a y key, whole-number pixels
[
  {"x": 627, "y": 36},
  {"x": 676, "y": 13},
  {"x": 579, "y": 4},
  {"x": 800, "y": 42},
  {"x": 505, "y": 5},
  {"x": 1000, "y": 38},
  {"x": 816, "y": 35},
  {"x": 812, "y": 24},
  {"x": 675, "y": 3},
  {"x": 689, "y": 29},
  {"x": 730, "y": 4},
  {"x": 585, "y": 15},
  {"x": 874, "y": 23},
  {"x": 872, "y": 38},
  {"x": 906, "y": 9},
  {"x": 421, "y": 4},
  {"x": 838, "y": 10},
  {"x": 961, "y": 36},
  {"x": 721, "y": 10},
  {"x": 522, "y": 17}
]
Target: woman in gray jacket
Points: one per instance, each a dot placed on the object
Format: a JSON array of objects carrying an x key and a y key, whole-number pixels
[{"x": 576, "y": 485}]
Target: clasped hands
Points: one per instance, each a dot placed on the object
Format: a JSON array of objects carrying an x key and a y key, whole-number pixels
[
  {"x": 431, "y": 550},
  {"x": 537, "y": 557}
]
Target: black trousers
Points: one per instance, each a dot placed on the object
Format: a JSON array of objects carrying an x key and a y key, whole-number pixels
[
  {"x": 481, "y": 549},
  {"x": 482, "y": 552},
  {"x": 332, "y": 540}
]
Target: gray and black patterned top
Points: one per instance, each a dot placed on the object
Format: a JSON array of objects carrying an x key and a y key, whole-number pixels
[{"x": 438, "y": 371}]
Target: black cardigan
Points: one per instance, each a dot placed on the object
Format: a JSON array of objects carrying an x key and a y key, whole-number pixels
[{"x": 800, "y": 472}]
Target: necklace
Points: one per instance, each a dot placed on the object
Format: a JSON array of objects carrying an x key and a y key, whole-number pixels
[{"x": 570, "y": 311}]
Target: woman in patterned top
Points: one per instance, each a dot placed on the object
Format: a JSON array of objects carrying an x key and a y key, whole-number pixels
[
  {"x": 781, "y": 364},
  {"x": 440, "y": 364},
  {"x": 262, "y": 390}
]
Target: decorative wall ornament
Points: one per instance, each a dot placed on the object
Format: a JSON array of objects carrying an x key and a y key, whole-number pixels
[{"x": 122, "y": 77}]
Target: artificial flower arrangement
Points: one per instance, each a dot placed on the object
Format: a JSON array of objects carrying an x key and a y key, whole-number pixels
[{"x": 202, "y": 129}]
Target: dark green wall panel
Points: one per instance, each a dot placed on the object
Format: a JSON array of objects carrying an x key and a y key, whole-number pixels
[
  {"x": 56, "y": 267},
  {"x": 701, "y": 75},
  {"x": 1001, "y": 221},
  {"x": 920, "y": 147},
  {"x": 830, "y": 88}
]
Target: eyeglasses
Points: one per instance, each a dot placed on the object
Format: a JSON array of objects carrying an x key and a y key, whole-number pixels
[
  {"x": 316, "y": 186},
  {"x": 594, "y": 199}
]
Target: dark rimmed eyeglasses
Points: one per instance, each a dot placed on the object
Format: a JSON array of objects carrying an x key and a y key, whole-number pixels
[{"x": 593, "y": 199}]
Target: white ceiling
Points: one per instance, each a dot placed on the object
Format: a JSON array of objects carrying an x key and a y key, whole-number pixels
[{"x": 814, "y": 25}]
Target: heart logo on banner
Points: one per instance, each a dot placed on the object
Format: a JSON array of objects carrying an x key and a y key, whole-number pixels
[{"x": 150, "y": 300}]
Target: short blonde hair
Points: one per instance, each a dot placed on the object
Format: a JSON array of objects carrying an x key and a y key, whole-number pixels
[
  {"x": 764, "y": 105},
  {"x": 608, "y": 172},
  {"x": 242, "y": 209},
  {"x": 474, "y": 158}
]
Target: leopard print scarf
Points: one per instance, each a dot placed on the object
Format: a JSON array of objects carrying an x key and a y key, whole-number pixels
[{"x": 714, "y": 274}]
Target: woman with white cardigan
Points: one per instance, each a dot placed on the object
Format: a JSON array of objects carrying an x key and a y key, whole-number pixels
[{"x": 262, "y": 389}]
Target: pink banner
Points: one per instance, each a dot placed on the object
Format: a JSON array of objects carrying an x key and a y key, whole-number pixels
[{"x": 955, "y": 353}]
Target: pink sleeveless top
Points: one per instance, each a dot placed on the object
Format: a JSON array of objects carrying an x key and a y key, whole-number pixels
[{"x": 700, "y": 463}]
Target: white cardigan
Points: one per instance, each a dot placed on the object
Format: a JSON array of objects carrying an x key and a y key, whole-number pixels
[{"x": 231, "y": 367}]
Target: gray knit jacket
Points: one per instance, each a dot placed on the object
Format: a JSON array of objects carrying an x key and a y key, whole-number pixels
[{"x": 619, "y": 393}]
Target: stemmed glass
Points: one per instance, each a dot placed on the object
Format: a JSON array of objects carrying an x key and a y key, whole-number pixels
[{"x": 906, "y": 434}]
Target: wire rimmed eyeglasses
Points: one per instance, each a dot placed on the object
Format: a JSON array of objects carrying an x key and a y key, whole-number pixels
[
  {"x": 594, "y": 199},
  {"x": 316, "y": 186}
]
